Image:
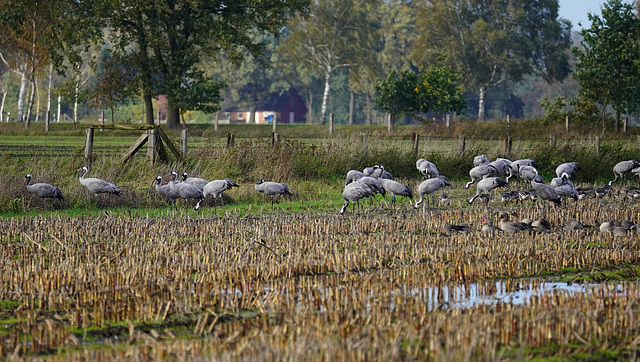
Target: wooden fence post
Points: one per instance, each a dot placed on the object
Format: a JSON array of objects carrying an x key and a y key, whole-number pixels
[
  {"x": 331, "y": 124},
  {"x": 231, "y": 140},
  {"x": 625, "y": 123},
  {"x": 389, "y": 123},
  {"x": 461, "y": 144},
  {"x": 566, "y": 123},
  {"x": 552, "y": 141},
  {"x": 365, "y": 144},
  {"x": 416, "y": 143},
  {"x": 152, "y": 144},
  {"x": 598, "y": 146},
  {"x": 48, "y": 121},
  {"x": 274, "y": 122},
  {"x": 275, "y": 139},
  {"x": 215, "y": 122},
  {"x": 183, "y": 141},
  {"x": 507, "y": 145},
  {"x": 447, "y": 120},
  {"x": 88, "y": 146}
]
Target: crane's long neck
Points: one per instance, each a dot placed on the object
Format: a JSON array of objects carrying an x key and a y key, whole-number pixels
[
  {"x": 27, "y": 181},
  {"x": 84, "y": 173}
]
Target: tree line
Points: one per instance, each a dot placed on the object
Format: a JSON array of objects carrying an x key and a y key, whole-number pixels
[{"x": 403, "y": 57}]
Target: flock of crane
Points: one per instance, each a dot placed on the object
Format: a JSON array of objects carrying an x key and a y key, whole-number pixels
[
  {"x": 189, "y": 188},
  {"x": 376, "y": 180}
]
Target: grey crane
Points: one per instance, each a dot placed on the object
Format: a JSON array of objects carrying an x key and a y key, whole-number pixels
[
  {"x": 560, "y": 180},
  {"x": 394, "y": 188},
  {"x": 165, "y": 190},
  {"x": 427, "y": 169},
  {"x": 569, "y": 168},
  {"x": 479, "y": 172},
  {"x": 97, "y": 186},
  {"x": 429, "y": 186},
  {"x": 195, "y": 181},
  {"x": 43, "y": 190},
  {"x": 367, "y": 171},
  {"x": 186, "y": 191},
  {"x": 353, "y": 192},
  {"x": 380, "y": 173},
  {"x": 622, "y": 168},
  {"x": 564, "y": 188},
  {"x": 486, "y": 185},
  {"x": 353, "y": 175},
  {"x": 272, "y": 189},
  {"x": 514, "y": 167},
  {"x": 217, "y": 187},
  {"x": 372, "y": 186},
  {"x": 529, "y": 173},
  {"x": 545, "y": 191},
  {"x": 480, "y": 160},
  {"x": 502, "y": 165}
]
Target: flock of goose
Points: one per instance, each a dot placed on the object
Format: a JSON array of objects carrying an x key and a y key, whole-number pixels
[
  {"x": 188, "y": 188},
  {"x": 488, "y": 176}
]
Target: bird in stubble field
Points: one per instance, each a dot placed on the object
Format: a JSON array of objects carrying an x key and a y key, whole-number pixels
[
  {"x": 372, "y": 186},
  {"x": 377, "y": 172},
  {"x": 43, "y": 190},
  {"x": 394, "y": 188},
  {"x": 353, "y": 192},
  {"x": 480, "y": 160},
  {"x": 97, "y": 186},
  {"x": 429, "y": 186},
  {"x": 195, "y": 181},
  {"x": 427, "y": 169},
  {"x": 622, "y": 168},
  {"x": 514, "y": 167},
  {"x": 486, "y": 185},
  {"x": 352, "y": 176},
  {"x": 186, "y": 191},
  {"x": 481, "y": 171},
  {"x": 569, "y": 168},
  {"x": 165, "y": 190},
  {"x": 272, "y": 189},
  {"x": 217, "y": 187},
  {"x": 511, "y": 227},
  {"x": 545, "y": 192}
]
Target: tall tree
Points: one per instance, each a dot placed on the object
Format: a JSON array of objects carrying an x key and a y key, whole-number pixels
[
  {"x": 607, "y": 67},
  {"x": 337, "y": 34},
  {"x": 172, "y": 37},
  {"x": 494, "y": 41}
]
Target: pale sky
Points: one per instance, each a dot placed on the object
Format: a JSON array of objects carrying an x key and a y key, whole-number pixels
[{"x": 576, "y": 11}]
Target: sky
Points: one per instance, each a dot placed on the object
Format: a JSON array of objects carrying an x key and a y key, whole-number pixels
[{"x": 576, "y": 11}]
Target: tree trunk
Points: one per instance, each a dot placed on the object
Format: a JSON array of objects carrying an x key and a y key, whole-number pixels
[
  {"x": 148, "y": 109},
  {"x": 23, "y": 89},
  {"x": 4, "y": 96},
  {"x": 310, "y": 107},
  {"x": 173, "y": 116},
  {"x": 75, "y": 104},
  {"x": 325, "y": 96},
  {"x": 617, "y": 122},
  {"x": 49, "y": 94},
  {"x": 37, "y": 100},
  {"x": 27, "y": 121},
  {"x": 58, "y": 114},
  {"x": 352, "y": 101},
  {"x": 481, "y": 95},
  {"x": 252, "y": 114},
  {"x": 369, "y": 110}
]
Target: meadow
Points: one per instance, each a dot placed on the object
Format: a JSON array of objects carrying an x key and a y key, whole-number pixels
[{"x": 134, "y": 277}]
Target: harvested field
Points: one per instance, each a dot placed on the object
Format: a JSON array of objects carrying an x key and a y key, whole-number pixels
[{"x": 379, "y": 284}]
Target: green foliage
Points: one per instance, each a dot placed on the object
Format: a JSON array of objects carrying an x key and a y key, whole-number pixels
[
  {"x": 396, "y": 93},
  {"x": 489, "y": 49},
  {"x": 607, "y": 69},
  {"x": 555, "y": 109},
  {"x": 433, "y": 89}
]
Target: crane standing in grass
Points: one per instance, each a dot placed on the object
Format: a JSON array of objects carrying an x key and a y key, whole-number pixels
[
  {"x": 272, "y": 189},
  {"x": 186, "y": 191},
  {"x": 97, "y": 186},
  {"x": 429, "y": 186},
  {"x": 43, "y": 190},
  {"x": 353, "y": 192},
  {"x": 217, "y": 187},
  {"x": 394, "y": 188}
]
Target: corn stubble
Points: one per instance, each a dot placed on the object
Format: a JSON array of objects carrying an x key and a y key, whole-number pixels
[{"x": 361, "y": 287}]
